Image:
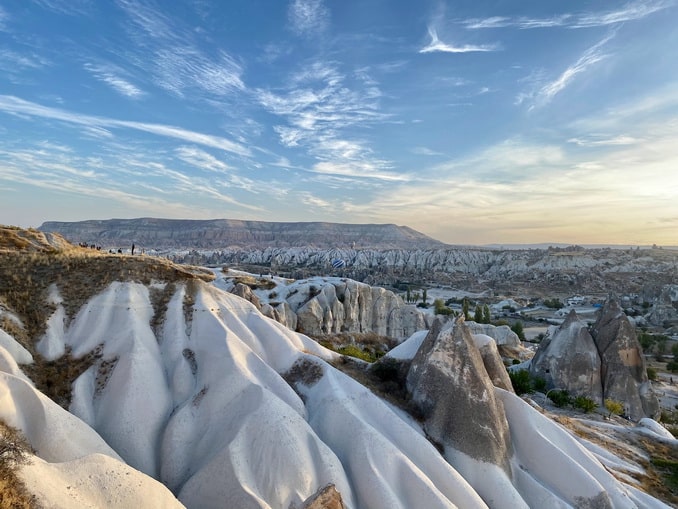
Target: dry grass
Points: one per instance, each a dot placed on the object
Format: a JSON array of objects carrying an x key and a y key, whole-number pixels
[
  {"x": 14, "y": 451},
  {"x": 658, "y": 459},
  {"x": 30, "y": 263}
]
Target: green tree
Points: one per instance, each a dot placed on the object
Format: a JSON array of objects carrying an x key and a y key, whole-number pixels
[
  {"x": 518, "y": 329},
  {"x": 487, "y": 317},
  {"x": 423, "y": 296},
  {"x": 478, "y": 315},
  {"x": 408, "y": 298},
  {"x": 464, "y": 308}
]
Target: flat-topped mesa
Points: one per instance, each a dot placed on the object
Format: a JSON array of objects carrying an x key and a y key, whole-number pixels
[{"x": 222, "y": 233}]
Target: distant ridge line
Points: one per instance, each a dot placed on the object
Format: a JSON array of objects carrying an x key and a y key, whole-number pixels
[{"x": 222, "y": 233}]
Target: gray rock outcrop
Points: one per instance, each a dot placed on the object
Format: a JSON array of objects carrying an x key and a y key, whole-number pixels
[
  {"x": 502, "y": 334},
  {"x": 623, "y": 369},
  {"x": 337, "y": 305},
  {"x": 449, "y": 384},
  {"x": 492, "y": 361},
  {"x": 606, "y": 363},
  {"x": 569, "y": 360}
]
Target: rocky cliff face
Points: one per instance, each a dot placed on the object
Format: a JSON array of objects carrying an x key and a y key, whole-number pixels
[
  {"x": 320, "y": 306},
  {"x": 585, "y": 271},
  {"x": 222, "y": 233}
]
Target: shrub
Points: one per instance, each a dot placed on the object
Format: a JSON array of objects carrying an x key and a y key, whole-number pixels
[
  {"x": 553, "y": 303},
  {"x": 387, "y": 369},
  {"x": 560, "y": 398},
  {"x": 651, "y": 373},
  {"x": 672, "y": 366},
  {"x": 441, "y": 308},
  {"x": 539, "y": 384},
  {"x": 585, "y": 404},
  {"x": 354, "y": 351},
  {"x": 614, "y": 407},
  {"x": 14, "y": 451},
  {"x": 521, "y": 381}
]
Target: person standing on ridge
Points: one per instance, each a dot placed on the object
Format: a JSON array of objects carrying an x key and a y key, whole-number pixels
[{"x": 132, "y": 248}]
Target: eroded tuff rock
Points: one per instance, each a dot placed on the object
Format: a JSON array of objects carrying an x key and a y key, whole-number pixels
[
  {"x": 606, "y": 363},
  {"x": 449, "y": 383},
  {"x": 492, "y": 361},
  {"x": 502, "y": 334},
  {"x": 337, "y": 305},
  {"x": 663, "y": 310},
  {"x": 569, "y": 360},
  {"x": 623, "y": 369}
]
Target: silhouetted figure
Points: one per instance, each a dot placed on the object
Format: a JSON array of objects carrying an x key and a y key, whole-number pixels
[{"x": 132, "y": 248}]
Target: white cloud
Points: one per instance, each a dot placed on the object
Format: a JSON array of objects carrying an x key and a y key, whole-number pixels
[
  {"x": 308, "y": 17},
  {"x": 3, "y": 18},
  {"x": 68, "y": 7},
  {"x": 632, "y": 11},
  {"x": 10, "y": 60},
  {"x": 175, "y": 57},
  {"x": 436, "y": 45},
  {"x": 318, "y": 106},
  {"x": 200, "y": 159},
  {"x": 357, "y": 170},
  {"x": 424, "y": 151},
  {"x": 603, "y": 141},
  {"x": 14, "y": 105},
  {"x": 544, "y": 93},
  {"x": 110, "y": 75}
]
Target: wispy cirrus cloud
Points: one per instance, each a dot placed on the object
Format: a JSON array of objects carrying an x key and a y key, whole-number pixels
[
  {"x": 14, "y": 105},
  {"x": 4, "y": 17},
  {"x": 68, "y": 7},
  {"x": 604, "y": 141},
  {"x": 631, "y": 11},
  {"x": 436, "y": 45},
  {"x": 545, "y": 92},
  {"x": 200, "y": 159},
  {"x": 308, "y": 17},
  {"x": 319, "y": 105},
  {"x": 11, "y": 60},
  {"x": 176, "y": 59},
  {"x": 110, "y": 75}
]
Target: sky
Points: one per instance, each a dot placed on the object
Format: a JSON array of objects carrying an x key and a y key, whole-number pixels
[{"x": 474, "y": 122}]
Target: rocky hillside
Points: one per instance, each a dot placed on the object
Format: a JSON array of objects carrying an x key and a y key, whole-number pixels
[
  {"x": 181, "y": 394},
  {"x": 222, "y": 233},
  {"x": 532, "y": 271}
]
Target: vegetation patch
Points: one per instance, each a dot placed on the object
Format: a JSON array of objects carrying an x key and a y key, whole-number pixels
[
  {"x": 14, "y": 452},
  {"x": 303, "y": 371},
  {"x": 55, "y": 378}
]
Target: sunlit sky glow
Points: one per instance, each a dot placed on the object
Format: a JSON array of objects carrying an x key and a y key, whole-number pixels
[{"x": 473, "y": 122}]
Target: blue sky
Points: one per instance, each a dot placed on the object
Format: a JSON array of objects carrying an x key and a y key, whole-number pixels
[{"x": 474, "y": 122}]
